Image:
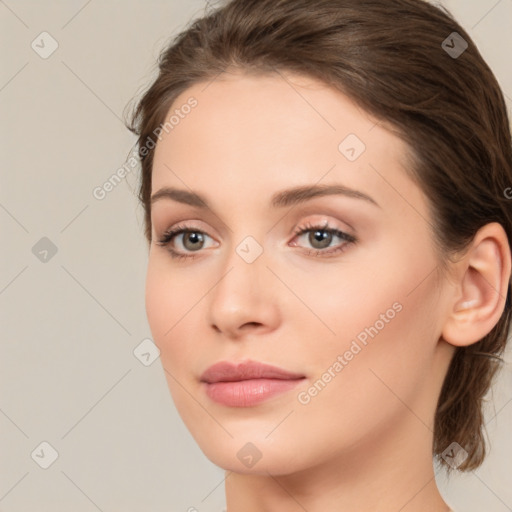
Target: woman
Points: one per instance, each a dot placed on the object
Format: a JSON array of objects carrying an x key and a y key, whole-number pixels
[{"x": 325, "y": 193}]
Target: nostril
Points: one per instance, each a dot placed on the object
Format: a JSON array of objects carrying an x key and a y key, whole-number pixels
[{"x": 255, "y": 324}]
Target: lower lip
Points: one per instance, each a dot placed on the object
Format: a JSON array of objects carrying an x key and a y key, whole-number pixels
[{"x": 245, "y": 393}]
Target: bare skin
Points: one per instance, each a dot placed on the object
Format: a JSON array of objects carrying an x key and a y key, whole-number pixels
[{"x": 363, "y": 441}]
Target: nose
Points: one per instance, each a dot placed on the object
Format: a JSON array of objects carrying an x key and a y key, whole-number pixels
[{"x": 245, "y": 300}]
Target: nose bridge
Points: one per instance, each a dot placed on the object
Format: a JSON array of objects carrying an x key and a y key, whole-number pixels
[
  {"x": 241, "y": 295},
  {"x": 244, "y": 267}
]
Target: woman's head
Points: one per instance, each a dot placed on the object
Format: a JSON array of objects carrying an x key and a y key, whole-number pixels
[{"x": 384, "y": 98}]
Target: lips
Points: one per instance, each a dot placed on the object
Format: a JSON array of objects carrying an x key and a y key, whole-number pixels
[
  {"x": 230, "y": 372},
  {"x": 246, "y": 384}
]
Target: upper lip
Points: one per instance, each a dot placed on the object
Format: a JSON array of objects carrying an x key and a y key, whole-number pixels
[{"x": 225, "y": 371}]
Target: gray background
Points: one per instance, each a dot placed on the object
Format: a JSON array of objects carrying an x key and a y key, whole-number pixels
[{"x": 71, "y": 323}]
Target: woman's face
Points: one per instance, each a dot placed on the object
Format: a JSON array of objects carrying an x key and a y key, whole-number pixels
[{"x": 352, "y": 305}]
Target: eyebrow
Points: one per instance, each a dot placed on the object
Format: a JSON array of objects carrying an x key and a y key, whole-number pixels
[{"x": 281, "y": 199}]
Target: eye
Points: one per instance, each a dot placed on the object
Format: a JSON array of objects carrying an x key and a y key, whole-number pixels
[
  {"x": 188, "y": 237},
  {"x": 320, "y": 238}
]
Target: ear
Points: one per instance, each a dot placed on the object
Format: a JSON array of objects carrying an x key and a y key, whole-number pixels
[{"x": 481, "y": 287}]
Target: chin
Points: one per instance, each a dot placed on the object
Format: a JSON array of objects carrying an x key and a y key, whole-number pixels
[{"x": 252, "y": 455}]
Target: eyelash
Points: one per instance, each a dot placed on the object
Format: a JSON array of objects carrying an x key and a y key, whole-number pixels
[{"x": 169, "y": 235}]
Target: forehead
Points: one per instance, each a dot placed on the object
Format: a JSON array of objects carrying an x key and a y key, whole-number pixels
[
  {"x": 263, "y": 132},
  {"x": 274, "y": 109}
]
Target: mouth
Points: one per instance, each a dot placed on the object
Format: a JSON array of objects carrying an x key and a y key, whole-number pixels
[{"x": 248, "y": 383}]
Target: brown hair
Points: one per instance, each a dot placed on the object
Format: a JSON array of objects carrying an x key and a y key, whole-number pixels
[{"x": 398, "y": 60}]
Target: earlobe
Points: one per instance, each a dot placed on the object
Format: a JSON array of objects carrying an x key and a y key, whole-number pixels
[{"x": 480, "y": 295}]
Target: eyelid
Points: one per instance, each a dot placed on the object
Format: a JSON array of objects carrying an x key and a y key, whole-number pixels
[
  {"x": 188, "y": 225},
  {"x": 322, "y": 222}
]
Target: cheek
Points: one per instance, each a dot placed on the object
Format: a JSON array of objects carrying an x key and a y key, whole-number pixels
[
  {"x": 169, "y": 307},
  {"x": 377, "y": 307},
  {"x": 159, "y": 302},
  {"x": 383, "y": 351},
  {"x": 382, "y": 384},
  {"x": 170, "y": 312},
  {"x": 341, "y": 304}
]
